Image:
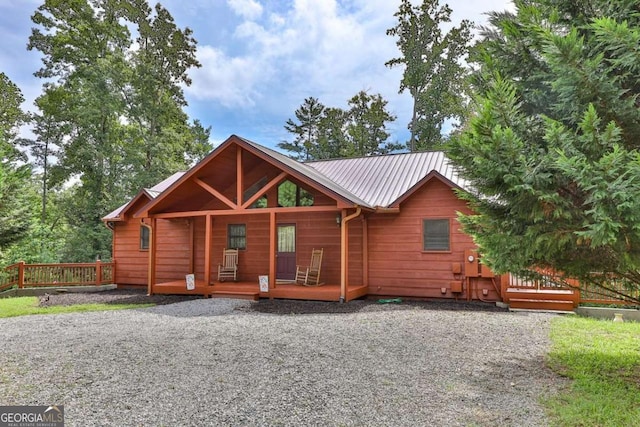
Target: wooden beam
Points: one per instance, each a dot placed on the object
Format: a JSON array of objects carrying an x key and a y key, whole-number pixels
[
  {"x": 272, "y": 251},
  {"x": 344, "y": 251},
  {"x": 298, "y": 209},
  {"x": 239, "y": 176},
  {"x": 207, "y": 250},
  {"x": 365, "y": 252},
  {"x": 152, "y": 254},
  {"x": 275, "y": 181},
  {"x": 192, "y": 246},
  {"x": 215, "y": 193}
]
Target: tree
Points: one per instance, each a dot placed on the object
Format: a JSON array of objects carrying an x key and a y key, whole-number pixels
[
  {"x": 160, "y": 140},
  {"x": 552, "y": 149},
  {"x": 306, "y": 131},
  {"x": 120, "y": 109},
  {"x": 14, "y": 212},
  {"x": 329, "y": 132},
  {"x": 366, "y": 128},
  {"x": 433, "y": 73}
]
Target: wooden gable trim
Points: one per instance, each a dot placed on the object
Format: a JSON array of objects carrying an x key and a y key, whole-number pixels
[
  {"x": 341, "y": 201},
  {"x": 298, "y": 209},
  {"x": 431, "y": 175},
  {"x": 215, "y": 192}
]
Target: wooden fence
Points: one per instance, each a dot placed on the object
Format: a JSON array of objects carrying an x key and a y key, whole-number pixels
[{"x": 37, "y": 275}]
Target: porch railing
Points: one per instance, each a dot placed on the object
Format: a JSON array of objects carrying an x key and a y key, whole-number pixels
[
  {"x": 585, "y": 293},
  {"x": 39, "y": 275}
]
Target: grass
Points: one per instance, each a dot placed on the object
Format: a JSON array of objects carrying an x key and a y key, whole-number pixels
[
  {"x": 602, "y": 358},
  {"x": 24, "y": 306}
]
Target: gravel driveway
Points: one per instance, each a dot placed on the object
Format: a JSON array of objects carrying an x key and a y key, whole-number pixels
[{"x": 225, "y": 362}]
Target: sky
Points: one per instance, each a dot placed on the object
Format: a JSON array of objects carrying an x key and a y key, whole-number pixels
[{"x": 261, "y": 58}]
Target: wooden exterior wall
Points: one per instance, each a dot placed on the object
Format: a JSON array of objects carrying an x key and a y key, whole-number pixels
[
  {"x": 314, "y": 230},
  {"x": 398, "y": 265},
  {"x": 132, "y": 262}
]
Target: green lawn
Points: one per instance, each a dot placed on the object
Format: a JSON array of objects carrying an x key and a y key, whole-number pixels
[
  {"x": 22, "y": 306},
  {"x": 602, "y": 358}
]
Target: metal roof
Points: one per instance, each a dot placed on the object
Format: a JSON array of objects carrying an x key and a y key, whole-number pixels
[
  {"x": 375, "y": 181},
  {"x": 381, "y": 180},
  {"x": 152, "y": 192}
]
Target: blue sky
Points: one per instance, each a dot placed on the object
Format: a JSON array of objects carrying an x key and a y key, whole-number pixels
[{"x": 262, "y": 58}]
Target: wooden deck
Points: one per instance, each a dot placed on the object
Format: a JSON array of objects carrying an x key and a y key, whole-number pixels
[{"x": 250, "y": 290}]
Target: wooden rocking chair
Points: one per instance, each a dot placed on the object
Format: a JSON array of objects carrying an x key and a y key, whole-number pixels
[
  {"x": 310, "y": 276},
  {"x": 229, "y": 267}
]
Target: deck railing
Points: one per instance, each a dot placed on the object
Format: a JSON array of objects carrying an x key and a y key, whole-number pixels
[
  {"x": 37, "y": 275},
  {"x": 585, "y": 293}
]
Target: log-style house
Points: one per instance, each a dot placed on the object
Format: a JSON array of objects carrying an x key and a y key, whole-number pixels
[{"x": 387, "y": 226}]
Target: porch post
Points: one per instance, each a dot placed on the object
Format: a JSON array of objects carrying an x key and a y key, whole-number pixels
[
  {"x": 192, "y": 246},
  {"x": 344, "y": 243},
  {"x": 207, "y": 250},
  {"x": 365, "y": 252},
  {"x": 151, "y": 273},
  {"x": 272, "y": 251}
]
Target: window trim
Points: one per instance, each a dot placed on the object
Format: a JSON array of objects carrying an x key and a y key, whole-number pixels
[
  {"x": 229, "y": 236},
  {"x": 424, "y": 222},
  {"x": 144, "y": 238}
]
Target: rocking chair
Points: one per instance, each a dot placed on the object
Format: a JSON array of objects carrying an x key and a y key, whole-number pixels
[
  {"x": 229, "y": 267},
  {"x": 310, "y": 276}
]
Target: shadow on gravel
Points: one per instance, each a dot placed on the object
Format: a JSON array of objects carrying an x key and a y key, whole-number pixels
[
  {"x": 122, "y": 296},
  {"x": 285, "y": 307}
]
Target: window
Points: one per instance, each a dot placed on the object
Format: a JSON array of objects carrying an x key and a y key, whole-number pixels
[
  {"x": 435, "y": 233},
  {"x": 237, "y": 236},
  {"x": 144, "y": 238}
]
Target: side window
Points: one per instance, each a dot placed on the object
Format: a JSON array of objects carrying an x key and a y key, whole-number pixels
[
  {"x": 144, "y": 238},
  {"x": 237, "y": 236},
  {"x": 435, "y": 235}
]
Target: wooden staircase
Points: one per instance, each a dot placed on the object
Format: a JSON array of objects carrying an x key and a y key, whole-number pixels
[{"x": 560, "y": 300}]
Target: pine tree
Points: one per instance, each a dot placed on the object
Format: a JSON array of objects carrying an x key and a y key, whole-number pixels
[{"x": 552, "y": 147}]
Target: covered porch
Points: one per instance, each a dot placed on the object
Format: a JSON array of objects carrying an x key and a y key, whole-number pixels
[
  {"x": 251, "y": 291},
  {"x": 240, "y": 198}
]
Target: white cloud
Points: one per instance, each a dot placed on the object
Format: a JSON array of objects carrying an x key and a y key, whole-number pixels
[
  {"x": 249, "y": 9},
  {"x": 229, "y": 81},
  {"x": 329, "y": 49}
]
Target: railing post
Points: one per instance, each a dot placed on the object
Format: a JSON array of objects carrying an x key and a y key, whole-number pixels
[
  {"x": 21, "y": 274},
  {"x": 98, "y": 273}
]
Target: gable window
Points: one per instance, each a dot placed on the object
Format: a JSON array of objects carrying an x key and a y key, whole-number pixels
[
  {"x": 237, "y": 236},
  {"x": 144, "y": 238},
  {"x": 435, "y": 235}
]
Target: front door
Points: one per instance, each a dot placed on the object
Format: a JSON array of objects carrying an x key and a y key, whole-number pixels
[{"x": 286, "y": 252}]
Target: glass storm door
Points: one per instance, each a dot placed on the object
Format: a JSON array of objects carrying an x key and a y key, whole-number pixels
[{"x": 286, "y": 252}]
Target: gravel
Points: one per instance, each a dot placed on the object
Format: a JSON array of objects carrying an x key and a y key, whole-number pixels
[{"x": 231, "y": 362}]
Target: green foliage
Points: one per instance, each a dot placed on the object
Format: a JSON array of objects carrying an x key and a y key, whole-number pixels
[
  {"x": 24, "y": 306},
  {"x": 603, "y": 362},
  {"x": 433, "y": 73},
  {"x": 112, "y": 115},
  {"x": 329, "y": 133},
  {"x": 552, "y": 146},
  {"x": 14, "y": 222},
  {"x": 306, "y": 132}
]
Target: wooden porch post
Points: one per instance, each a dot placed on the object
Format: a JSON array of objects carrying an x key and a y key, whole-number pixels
[
  {"x": 207, "y": 250},
  {"x": 272, "y": 251},
  {"x": 151, "y": 272},
  {"x": 344, "y": 251},
  {"x": 365, "y": 252},
  {"x": 192, "y": 246}
]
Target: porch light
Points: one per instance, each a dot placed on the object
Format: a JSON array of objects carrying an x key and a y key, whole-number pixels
[{"x": 338, "y": 220}]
